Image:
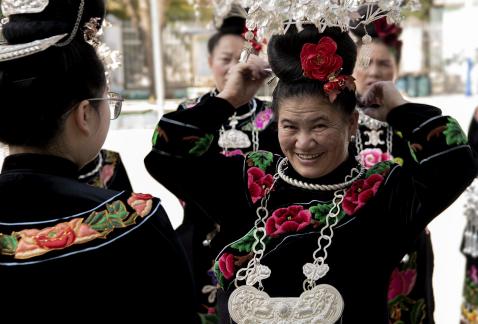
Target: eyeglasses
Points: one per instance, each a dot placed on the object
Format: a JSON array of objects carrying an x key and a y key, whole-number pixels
[{"x": 115, "y": 102}]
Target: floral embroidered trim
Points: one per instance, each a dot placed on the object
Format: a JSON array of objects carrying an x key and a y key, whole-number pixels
[
  {"x": 263, "y": 118},
  {"x": 371, "y": 156},
  {"x": 288, "y": 220},
  {"x": 257, "y": 183},
  {"x": 29, "y": 243}
]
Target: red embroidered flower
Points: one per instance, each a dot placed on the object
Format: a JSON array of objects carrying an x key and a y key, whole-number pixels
[
  {"x": 226, "y": 265},
  {"x": 106, "y": 173},
  {"x": 388, "y": 33},
  {"x": 360, "y": 192},
  {"x": 285, "y": 220},
  {"x": 58, "y": 237},
  {"x": 401, "y": 283},
  {"x": 257, "y": 182},
  {"x": 319, "y": 61},
  {"x": 141, "y": 203}
]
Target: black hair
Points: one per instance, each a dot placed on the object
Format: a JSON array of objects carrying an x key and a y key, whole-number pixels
[
  {"x": 37, "y": 91},
  {"x": 231, "y": 26},
  {"x": 284, "y": 58},
  {"x": 389, "y": 36}
]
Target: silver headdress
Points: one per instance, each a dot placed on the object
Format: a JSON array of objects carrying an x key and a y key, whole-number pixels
[
  {"x": 15, "y": 7},
  {"x": 271, "y": 17}
]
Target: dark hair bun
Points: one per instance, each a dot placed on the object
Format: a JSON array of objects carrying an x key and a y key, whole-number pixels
[
  {"x": 284, "y": 51},
  {"x": 59, "y": 17},
  {"x": 233, "y": 25}
]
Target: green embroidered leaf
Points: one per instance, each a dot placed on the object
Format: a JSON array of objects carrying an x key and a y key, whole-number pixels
[
  {"x": 245, "y": 243},
  {"x": 399, "y": 133},
  {"x": 208, "y": 318},
  {"x": 247, "y": 127},
  {"x": 412, "y": 152},
  {"x": 261, "y": 159},
  {"x": 155, "y": 136},
  {"x": 418, "y": 313},
  {"x": 96, "y": 218},
  {"x": 220, "y": 278},
  {"x": 454, "y": 134},
  {"x": 8, "y": 244},
  {"x": 202, "y": 145},
  {"x": 379, "y": 168},
  {"x": 320, "y": 211},
  {"x": 117, "y": 209}
]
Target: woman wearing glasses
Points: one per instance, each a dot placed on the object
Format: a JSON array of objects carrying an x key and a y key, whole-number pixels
[
  {"x": 66, "y": 246},
  {"x": 107, "y": 169}
]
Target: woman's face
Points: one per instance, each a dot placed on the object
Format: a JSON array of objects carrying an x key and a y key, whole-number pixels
[
  {"x": 383, "y": 67},
  {"x": 314, "y": 135},
  {"x": 225, "y": 55}
]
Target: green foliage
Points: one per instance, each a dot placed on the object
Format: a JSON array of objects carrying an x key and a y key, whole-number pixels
[
  {"x": 181, "y": 10},
  {"x": 261, "y": 159}
]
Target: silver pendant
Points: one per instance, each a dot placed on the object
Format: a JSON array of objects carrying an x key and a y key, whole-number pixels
[
  {"x": 315, "y": 271},
  {"x": 323, "y": 304},
  {"x": 233, "y": 138},
  {"x": 374, "y": 137}
]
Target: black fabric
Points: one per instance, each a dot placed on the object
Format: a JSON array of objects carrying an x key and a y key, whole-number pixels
[{"x": 139, "y": 270}]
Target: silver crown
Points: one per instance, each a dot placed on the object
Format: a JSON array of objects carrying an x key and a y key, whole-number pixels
[{"x": 15, "y": 7}]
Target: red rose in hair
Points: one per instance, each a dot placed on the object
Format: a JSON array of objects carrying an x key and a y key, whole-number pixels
[
  {"x": 388, "y": 33},
  {"x": 319, "y": 61}
]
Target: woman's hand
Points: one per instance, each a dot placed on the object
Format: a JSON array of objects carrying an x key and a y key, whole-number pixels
[
  {"x": 382, "y": 97},
  {"x": 243, "y": 81}
]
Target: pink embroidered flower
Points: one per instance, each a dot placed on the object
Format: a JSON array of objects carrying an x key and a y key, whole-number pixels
[
  {"x": 226, "y": 265},
  {"x": 360, "y": 192},
  {"x": 263, "y": 119},
  {"x": 401, "y": 283},
  {"x": 233, "y": 153},
  {"x": 141, "y": 203},
  {"x": 286, "y": 220},
  {"x": 473, "y": 272},
  {"x": 57, "y": 237},
  {"x": 371, "y": 156},
  {"x": 257, "y": 182},
  {"x": 106, "y": 173}
]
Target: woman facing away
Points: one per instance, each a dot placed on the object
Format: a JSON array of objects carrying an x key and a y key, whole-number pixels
[
  {"x": 67, "y": 247},
  {"x": 251, "y": 128},
  {"x": 314, "y": 237},
  {"x": 410, "y": 296}
]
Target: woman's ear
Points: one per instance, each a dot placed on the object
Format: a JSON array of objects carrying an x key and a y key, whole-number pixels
[{"x": 82, "y": 117}]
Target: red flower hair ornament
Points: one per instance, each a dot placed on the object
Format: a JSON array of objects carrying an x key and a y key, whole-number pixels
[{"x": 320, "y": 62}]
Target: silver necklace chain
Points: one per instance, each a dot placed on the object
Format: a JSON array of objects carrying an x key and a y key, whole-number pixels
[
  {"x": 312, "y": 186},
  {"x": 95, "y": 170},
  {"x": 255, "y": 272}
]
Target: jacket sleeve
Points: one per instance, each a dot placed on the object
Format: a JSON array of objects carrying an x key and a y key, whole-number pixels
[
  {"x": 445, "y": 166},
  {"x": 182, "y": 161}
]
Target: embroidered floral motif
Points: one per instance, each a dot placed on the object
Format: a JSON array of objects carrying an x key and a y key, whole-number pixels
[
  {"x": 233, "y": 153},
  {"x": 288, "y": 220},
  {"x": 159, "y": 133},
  {"x": 257, "y": 182},
  {"x": 106, "y": 173},
  {"x": 454, "y": 134},
  {"x": 263, "y": 118},
  {"x": 201, "y": 144},
  {"x": 226, "y": 265},
  {"x": 141, "y": 203},
  {"x": 401, "y": 306},
  {"x": 30, "y": 243},
  {"x": 360, "y": 192},
  {"x": 471, "y": 287},
  {"x": 371, "y": 156},
  {"x": 320, "y": 211},
  {"x": 260, "y": 159}
]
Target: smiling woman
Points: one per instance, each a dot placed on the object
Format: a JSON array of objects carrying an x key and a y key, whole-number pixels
[{"x": 301, "y": 236}]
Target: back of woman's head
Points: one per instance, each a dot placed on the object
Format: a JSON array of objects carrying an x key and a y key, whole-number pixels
[
  {"x": 38, "y": 90},
  {"x": 284, "y": 53}
]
